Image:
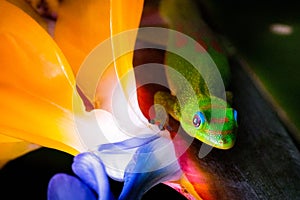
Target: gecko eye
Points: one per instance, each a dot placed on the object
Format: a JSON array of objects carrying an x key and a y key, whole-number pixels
[
  {"x": 198, "y": 119},
  {"x": 235, "y": 115}
]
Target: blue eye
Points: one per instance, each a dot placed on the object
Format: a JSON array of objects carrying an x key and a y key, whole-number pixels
[
  {"x": 198, "y": 119},
  {"x": 235, "y": 115}
]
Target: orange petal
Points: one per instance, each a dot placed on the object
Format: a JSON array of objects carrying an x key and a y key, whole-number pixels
[
  {"x": 115, "y": 17},
  {"x": 30, "y": 11},
  {"x": 36, "y": 85},
  {"x": 125, "y": 15},
  {"x": 12, "y": 148},
  {"x": 125, "y": 21},
  {"x": 81, "y": 25},
  {"x": 125, "y": 18}
]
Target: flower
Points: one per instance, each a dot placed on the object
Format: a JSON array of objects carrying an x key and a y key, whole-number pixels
[
  {"x": 143, "y": 172},
  {"x": 40, "y": 103},
  {"x": 38, "y": 86}
]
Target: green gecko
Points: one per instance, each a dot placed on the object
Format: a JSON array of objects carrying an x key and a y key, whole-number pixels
[{"x": 206, "y": 116}]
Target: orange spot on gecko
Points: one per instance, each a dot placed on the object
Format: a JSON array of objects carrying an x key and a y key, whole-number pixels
[
  {"x": 202, "y": 47},
  {"x": 180, "y": 40}
]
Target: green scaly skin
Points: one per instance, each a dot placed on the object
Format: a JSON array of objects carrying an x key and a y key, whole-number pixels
[{"x": 219, "y": 127}]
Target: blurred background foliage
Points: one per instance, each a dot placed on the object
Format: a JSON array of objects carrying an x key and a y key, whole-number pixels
[{"x": 267, "y": 36}]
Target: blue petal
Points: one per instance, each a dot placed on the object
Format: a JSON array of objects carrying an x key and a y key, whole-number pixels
[
  {"x": 63, "y": 186},
  {"x": 116, "y": 156},
  {"x": 91, "y": 170},
  {"x": 127, "y": 144},
  {"x": 153, "y": 163}
]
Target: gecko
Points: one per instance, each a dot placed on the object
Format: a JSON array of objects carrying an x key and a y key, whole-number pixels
[{"x": 194, "y": 110}]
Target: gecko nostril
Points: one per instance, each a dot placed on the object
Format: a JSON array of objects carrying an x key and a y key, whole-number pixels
[{"x": 224, "y": 140}]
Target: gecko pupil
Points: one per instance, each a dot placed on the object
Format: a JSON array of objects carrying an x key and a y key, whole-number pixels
[{"x": 196, "y": 120}]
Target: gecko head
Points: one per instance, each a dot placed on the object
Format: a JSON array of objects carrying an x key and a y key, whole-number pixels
[{"x": 212, "y": 121}]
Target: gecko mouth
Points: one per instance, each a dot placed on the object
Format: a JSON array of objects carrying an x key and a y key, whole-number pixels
[
  {"x": 219, "y": 133},
  {"x": 222, "y": 141}
]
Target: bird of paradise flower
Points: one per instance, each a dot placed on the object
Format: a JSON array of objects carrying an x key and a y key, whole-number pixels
[
  {"x": 38, "y": 81},
  {"x": 39, "y": 88}
]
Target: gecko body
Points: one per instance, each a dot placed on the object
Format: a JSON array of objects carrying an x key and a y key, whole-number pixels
[{"x": 203, "y": 113}]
